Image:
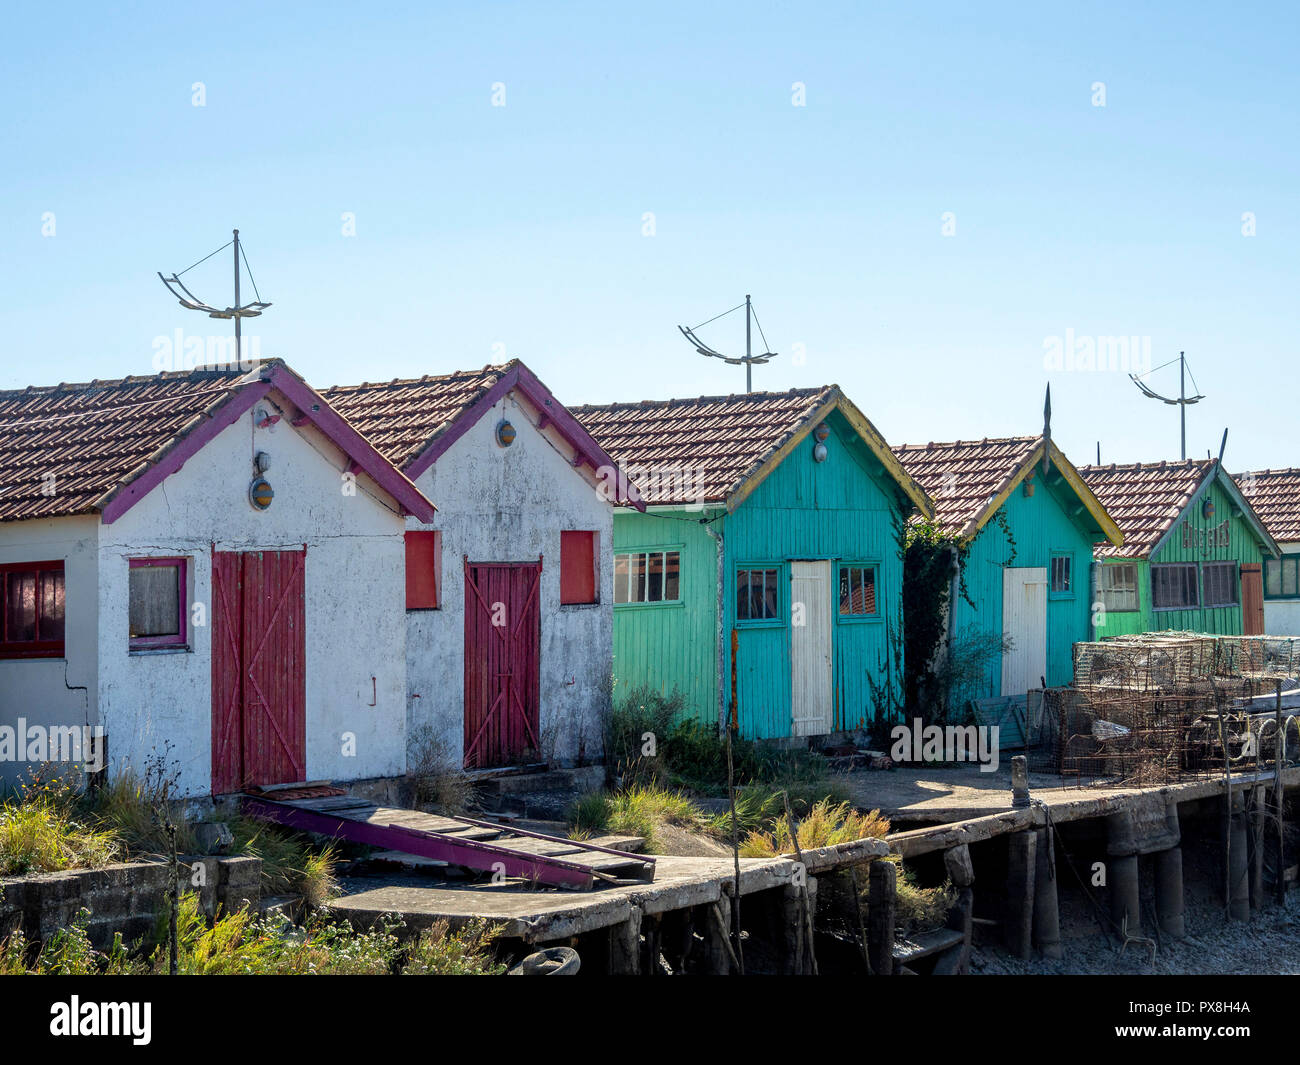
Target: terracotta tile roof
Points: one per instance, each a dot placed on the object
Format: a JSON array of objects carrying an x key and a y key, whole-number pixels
[
  {"x": 699, "y": 450},
  {"x": 403, "y": 417},
  {"x": 964, "y": 476},
  {"x": 1144, "y": 498},
  {"x": 1275, "y": 496},
  {"x": 85, "y": 440}
]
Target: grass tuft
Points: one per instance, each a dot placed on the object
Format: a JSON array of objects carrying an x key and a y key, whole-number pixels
[
  {"x": 40, "y": 837},
  {"x": 826, "y": 824}
]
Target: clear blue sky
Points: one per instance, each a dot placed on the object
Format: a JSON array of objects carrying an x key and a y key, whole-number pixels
[{"x": 483, "y": 229}]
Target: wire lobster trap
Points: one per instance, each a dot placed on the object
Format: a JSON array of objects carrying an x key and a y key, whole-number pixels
[{"x": 1159, "y": 708}]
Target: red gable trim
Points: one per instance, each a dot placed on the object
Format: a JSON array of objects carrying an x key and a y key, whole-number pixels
[
  {"x": 554, "y": 413},
  {"x": 314, "y": 408},
  {"x": 362, "y": 453},
  {"x": 128, "y": 495}
]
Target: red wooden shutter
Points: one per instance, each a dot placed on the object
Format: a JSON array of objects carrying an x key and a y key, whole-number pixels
[
  {"x": 423, "y": 562},
  {"x": 577, "y": 567}
]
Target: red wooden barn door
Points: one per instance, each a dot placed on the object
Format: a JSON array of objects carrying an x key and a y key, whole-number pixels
[
  {"x": 1252, "y": 599},
  {"x": 502, "y": 652},
  {"x": 259, "y": 691}
]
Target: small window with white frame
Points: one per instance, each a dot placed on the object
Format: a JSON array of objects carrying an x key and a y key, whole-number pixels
[
  {"x": 647, "y": 577},
  {"x": 1117, "y": 584}
]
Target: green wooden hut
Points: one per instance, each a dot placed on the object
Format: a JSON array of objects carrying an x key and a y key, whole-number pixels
[
  {"x": 1192, "y": 554},
  {"x": 1028, "y": 533},
  {"x": 768, "y": 558}
]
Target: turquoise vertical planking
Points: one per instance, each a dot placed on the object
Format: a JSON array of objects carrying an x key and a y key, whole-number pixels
[
  {"x": 1050, "y": 522},
  {"x": 845, "y": 509}
]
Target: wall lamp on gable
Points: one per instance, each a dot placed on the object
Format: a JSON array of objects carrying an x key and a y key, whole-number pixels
[{"x": 819, "y": 449}]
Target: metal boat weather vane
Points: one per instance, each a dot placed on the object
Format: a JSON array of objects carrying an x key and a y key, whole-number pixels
[
  {"x": 749, "y": 359},
  {"x": 1182, "y": 402},
  {"x": 238, "y": 311}
]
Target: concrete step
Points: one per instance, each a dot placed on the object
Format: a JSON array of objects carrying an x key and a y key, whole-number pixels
[{"x": 587, "y": 778}]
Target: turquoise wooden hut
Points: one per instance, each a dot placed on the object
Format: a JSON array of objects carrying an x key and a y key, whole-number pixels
[
  {"x": 769, "y": 547},
  {"x": 1192, "y": 554},
  {"x": 1028, "y": 533}
]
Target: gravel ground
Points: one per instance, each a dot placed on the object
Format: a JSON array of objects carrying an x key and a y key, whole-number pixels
[{"x": 1268, "y": 945}]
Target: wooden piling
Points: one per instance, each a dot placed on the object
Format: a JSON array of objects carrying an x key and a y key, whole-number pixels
[
  {"x": 1255, "y": 846},
  {"x": 625, "y": 946},
  {"x": 1018, "y": 916},
  {"x": 1279, "y": 799},
  {"x": 651, "y": 927},
  {"x": 1122, "y": 873},
  {"x": 1047, "y": 914},
  {"x": 715, "y": 927},
  {"x": 1238, "y": 865},
  {"x": 882, "y": 905},
  {"x": 961, "y": 871},
  {"x": 1169, "y": 892}
]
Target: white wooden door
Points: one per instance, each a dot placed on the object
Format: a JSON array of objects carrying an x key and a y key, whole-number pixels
[
  {"x": 1024, "y": 619},
  {"x": 812, "y": 700}
]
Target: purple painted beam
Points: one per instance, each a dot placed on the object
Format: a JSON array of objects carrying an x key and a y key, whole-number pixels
[
  {"x": 275, "y": 375},
  {"x": 349, "y": 441},
  {"x": 472, "y": 854},
  {"x": 227, "y": 413},
  {"x": 554, "y": 414}
]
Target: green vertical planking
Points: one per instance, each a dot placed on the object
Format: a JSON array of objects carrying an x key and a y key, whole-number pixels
[
  {"x": 1242, "y": 547},
  {"x": 671, "y": 646}
]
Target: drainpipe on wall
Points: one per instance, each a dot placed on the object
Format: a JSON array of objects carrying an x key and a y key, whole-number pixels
[
  {"x": 1092, "y": 600},
  {"x": 720, "y": 644}
]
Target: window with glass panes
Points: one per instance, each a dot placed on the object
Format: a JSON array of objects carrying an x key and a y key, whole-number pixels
[
  {"x": 1219, "y": 581},
  {"x": 1174, "y": 586},
  {"x": 647, "y": 576},
  {"x": 1062, "y": 576},
  {"x": 1282, "y": 577},
  {"x": 857, "y": 591},
  {"x": 31, "y": 621},
  {"x": 758, "y": 596},
  {"x": 1117, "y": 583}
]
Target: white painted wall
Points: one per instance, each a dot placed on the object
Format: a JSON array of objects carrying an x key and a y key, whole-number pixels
[
  {"x": 54, "y": 692},
  {"x": 509, "y": 505},
  {"x": 1281, "y": 616},
  {"x": 354, "y": 609}
]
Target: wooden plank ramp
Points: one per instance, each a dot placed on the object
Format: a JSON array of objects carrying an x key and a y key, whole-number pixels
[{"x": 464, "y": 841}]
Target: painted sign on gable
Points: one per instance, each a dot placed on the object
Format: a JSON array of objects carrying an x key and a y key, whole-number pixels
[{"x": 1206, "y": 540}]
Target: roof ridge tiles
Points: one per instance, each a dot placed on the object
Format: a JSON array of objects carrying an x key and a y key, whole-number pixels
[
  {"x": 454, "y": 375},
  {"x": 233, "y": 373}
]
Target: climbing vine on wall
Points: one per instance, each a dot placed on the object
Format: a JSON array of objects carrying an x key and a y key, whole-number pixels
[
  {"x": 1000, "y": 520},
  {"x": 929, "y": 554},
  {"x": 888, "y": 696}
]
